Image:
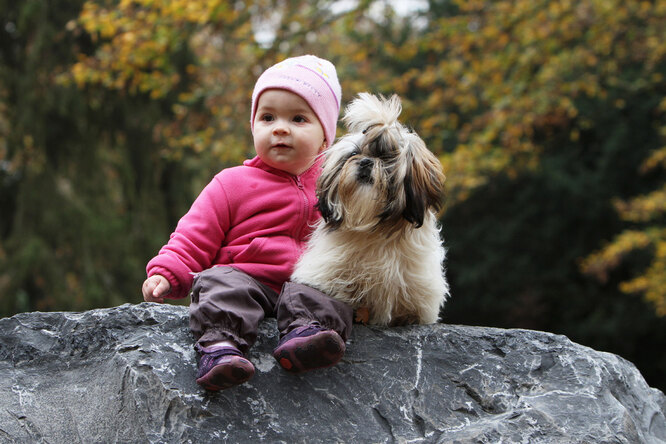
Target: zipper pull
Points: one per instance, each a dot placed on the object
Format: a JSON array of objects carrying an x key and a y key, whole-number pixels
[{"x": 298, "y": 182}]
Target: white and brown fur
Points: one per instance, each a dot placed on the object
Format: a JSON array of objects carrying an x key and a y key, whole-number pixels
[{"x": 377, "y": 246}]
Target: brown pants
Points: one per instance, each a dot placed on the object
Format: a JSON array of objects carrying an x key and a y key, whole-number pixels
[{"x": 229, "y": 304}]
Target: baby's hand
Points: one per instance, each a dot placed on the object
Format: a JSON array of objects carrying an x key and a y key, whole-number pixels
[{"x": 155, "y": 288}]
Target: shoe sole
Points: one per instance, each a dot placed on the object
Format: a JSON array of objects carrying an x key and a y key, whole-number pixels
[
  {"x": 320, "y": 350},
  {"x": 228, "y": 373}
]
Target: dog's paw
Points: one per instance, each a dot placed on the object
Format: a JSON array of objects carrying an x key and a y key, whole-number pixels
[{"x": 362, "y": 315}]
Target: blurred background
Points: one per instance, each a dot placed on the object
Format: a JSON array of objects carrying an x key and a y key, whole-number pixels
[{"x": 547, "y": 115}]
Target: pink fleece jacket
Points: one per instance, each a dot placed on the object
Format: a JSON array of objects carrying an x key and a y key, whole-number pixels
[{"x": 254, "y": 218}]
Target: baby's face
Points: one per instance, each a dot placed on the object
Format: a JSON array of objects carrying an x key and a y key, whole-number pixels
[{"x": 287, "y": 133}]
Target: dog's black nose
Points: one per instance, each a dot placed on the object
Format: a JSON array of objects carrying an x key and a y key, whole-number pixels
[
  {"x": 365, "y": 170},
  {"x": 365, "y": 163}
]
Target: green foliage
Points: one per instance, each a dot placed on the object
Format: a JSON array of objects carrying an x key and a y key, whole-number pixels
[
  {"x": 80, "y": 215},
  {"x": 515, "y": 244}
]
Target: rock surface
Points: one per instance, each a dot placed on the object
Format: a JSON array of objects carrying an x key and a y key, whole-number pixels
[{"x": 126, "y": 374}]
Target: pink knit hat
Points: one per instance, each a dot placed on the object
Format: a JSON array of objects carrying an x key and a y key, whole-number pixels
[{"x": 312, "y": 78}]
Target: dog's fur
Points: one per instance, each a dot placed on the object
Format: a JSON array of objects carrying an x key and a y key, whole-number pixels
[{"x": 377, "y": 246}]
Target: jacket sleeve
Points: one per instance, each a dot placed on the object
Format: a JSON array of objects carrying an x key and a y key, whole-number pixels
[{"x": 195, "y": 243}]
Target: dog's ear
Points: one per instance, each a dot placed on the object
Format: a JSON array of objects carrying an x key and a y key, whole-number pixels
[
  {"x": 424, "y": 182},
  {"x": 326, "y": 203},
  {"x": 327, "y": 212}
]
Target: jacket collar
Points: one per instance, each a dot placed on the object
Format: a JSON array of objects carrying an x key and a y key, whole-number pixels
[{"x": 314, "y": 170}]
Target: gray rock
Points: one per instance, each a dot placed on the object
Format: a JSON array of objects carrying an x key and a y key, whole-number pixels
[{"x": 126, "y": 374}]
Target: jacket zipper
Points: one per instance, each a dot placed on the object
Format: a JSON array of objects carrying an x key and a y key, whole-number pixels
[{"x": 306, "y": 202}]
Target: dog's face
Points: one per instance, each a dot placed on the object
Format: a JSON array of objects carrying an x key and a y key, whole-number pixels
[{"x": 379, "y": 175}]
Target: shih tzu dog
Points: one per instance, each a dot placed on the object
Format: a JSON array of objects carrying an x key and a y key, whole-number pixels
[{"x": 377, "y": 246}]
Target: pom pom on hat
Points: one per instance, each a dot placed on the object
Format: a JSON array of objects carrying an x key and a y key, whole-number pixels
[{"x": 312, "y": 78}]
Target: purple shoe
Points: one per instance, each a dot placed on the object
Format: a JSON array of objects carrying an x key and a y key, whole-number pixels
[
  {"x": 308, "y": 348},
  {"x": 224, "y": 367}
]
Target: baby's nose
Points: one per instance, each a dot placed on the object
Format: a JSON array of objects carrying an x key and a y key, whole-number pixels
[{"x": 281, "y": 128}]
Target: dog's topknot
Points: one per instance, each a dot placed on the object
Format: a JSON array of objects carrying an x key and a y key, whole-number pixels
[
  {"x": 368, "y": 111},
  {"x": 376, "y": 117}
]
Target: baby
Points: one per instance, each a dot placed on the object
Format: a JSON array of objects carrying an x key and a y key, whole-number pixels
[{"x": 237, "y": 245}]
